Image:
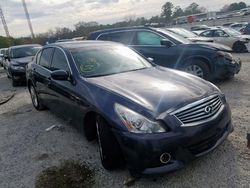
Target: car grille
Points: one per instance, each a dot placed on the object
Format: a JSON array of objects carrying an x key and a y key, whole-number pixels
[{"x": 199, "y": 111}]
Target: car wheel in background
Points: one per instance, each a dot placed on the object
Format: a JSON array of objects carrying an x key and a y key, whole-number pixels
[
  {"x": 35, "y": 99},
  {"x": 110, "y": 152},
  {"x": 239, "y": 47},
  {"x": 197, "y": 68}
]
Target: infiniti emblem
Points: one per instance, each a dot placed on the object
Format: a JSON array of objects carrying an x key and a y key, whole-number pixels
[{"x": 208, "y": 109}]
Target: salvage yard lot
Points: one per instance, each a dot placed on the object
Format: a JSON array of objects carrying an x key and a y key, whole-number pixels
[{"x": 26, "y": 148}]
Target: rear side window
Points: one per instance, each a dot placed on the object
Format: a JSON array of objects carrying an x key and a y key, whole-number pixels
[
  {"x": 148, "y": 38},
  {"x": 59, "y": 61},
  {"x": 122, "y": 37},
  {"x": 206, "y": 34},
  {"x": 46, "y": 57}
]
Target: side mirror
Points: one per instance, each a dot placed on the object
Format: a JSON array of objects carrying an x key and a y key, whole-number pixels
[
  {"x": 60, "y": 75},
  {"x": 167, "y": 43}
]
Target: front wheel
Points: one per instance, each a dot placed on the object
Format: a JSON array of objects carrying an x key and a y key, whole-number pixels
[
  {"x": 239, "y": 47},
  {"x": 110, "y": 152},
  {"x": 35, "y": 99},
  {"x": 197, "y": 68}
]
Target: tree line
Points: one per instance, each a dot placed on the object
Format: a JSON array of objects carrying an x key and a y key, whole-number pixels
[{"x": 168, "y": 13}]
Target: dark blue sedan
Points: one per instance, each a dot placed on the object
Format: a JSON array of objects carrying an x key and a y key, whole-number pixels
[{"x": 151, "y": 118}]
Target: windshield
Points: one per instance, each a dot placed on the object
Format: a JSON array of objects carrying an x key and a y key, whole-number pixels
[
  {"x": 24, "y": 51},
  {"x": 232, "y": 32},
  {"x": 107, "y": 60},
  {"x": 174, "y": 36},
  {"x": 183, "y": 32}
]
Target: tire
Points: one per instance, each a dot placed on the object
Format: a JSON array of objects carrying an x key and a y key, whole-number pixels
[
  {"x": 35, "y": 99},
  {"x": 14, "y": 83},
  {"x": 239, "y": 47},
  {"x": 197, "y": 68},
  {"x": 110, "y": 152}
]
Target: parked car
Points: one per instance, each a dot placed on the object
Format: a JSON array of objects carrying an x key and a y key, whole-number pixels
[
  {"x": 227, "y": 24},
  {"x": 1, "y": 56},
  {"x": 208, "y": 61},
  {"x": 229, "y": 37},
  {"x": 189, "y": 35},
  {"x": 238, "y": 26},
  {"x": 153, "y": 118},
  {"x": 17, "y": 59},
  {"x": 246, "y": 30},
  {"x": 5, "y": 53}
]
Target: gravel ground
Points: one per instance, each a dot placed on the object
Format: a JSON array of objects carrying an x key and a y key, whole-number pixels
[{"x": 26, "y": 148}]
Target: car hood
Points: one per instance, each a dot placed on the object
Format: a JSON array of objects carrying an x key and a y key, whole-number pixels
[
  {"x": 244, "y": 37},
  {"x": 216, "y": 46},
  {"x": 200, "y": 39},
  {"x": 22, "y": 60},
  {"x": 157, "y": 89}
]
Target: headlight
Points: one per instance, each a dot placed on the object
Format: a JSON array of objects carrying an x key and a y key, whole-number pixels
[
  {"x": 17, "y": 67},
  {"x": 135, "y": 122}
]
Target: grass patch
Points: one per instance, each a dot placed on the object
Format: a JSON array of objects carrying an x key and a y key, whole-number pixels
[{"x": 70, "y": 174}]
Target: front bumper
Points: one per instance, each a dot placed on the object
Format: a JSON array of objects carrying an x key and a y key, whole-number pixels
[
  {"x": 18, "y": 75},
  {"x": 227, "y": 68},
  {"x": 142, "y": 152}
]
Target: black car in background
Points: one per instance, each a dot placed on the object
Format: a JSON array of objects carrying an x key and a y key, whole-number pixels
[
  {"x": 246, "y": 30},
  {"x": 17, "y": 59},
  {"x": 153, "y": 118},
  {"x": 206, "y": 60}
]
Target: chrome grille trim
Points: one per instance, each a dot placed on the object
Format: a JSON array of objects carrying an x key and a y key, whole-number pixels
[{"x": 195, "y": 113}]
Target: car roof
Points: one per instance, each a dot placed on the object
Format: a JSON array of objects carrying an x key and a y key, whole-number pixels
[
  {"x": 97, "y": 33},
  {"x": 80, "y": 44},
  {"x": 25, "y": 45}
]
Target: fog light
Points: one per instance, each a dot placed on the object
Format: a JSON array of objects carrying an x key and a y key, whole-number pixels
[{"x": 165, "y": 158}]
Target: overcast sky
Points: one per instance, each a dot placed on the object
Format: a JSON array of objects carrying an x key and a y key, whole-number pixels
[{"x": 48, "y": 14}]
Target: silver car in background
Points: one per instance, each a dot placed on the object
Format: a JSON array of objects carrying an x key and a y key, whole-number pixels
[{"x": 230, "y": 37}]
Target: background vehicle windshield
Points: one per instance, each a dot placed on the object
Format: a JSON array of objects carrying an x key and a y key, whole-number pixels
[
  {"x": 174, "y": 36},
  {"x": 106, "y": 60},
  {"x": 24, "y": 51},
  {"x": 183, "y": 32}
]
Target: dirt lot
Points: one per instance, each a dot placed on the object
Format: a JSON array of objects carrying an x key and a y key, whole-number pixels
[{"x": 26, "y": 148}]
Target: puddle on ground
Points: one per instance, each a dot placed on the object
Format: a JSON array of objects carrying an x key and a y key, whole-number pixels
[{"x": 70, "y": 174}]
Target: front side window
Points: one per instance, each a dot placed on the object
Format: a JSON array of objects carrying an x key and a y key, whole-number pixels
[
  {"x": 206, "y": 34},
  {"x": 59, "y": 61},
  {"x": 220, "y": 33},
  {"x": 46, "y": 57},
  {"x": 148, "y": 38},
  {"x": 107, "y": 60},
  {"x": 122, "y": 37}
]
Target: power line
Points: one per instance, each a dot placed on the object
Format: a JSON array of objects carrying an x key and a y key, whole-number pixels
[
  {"x": 4, "y": 23},
  {"x": 28, "y": 18}
]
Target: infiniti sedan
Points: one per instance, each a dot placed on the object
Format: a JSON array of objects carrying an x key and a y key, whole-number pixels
[{"x": 151, "y": 118}]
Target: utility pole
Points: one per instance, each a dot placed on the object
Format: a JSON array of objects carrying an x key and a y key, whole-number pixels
[
  {"x": 4, "y": 23},
  {"x": 28, "y": 18}
]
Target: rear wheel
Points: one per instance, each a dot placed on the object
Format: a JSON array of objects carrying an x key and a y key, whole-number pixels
[
  {"x": 35, "y": 99},
  {"x": 239, "y": 47},
  {"x": 197, "y": 68},
  {"x": 110, "y": 152}
]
